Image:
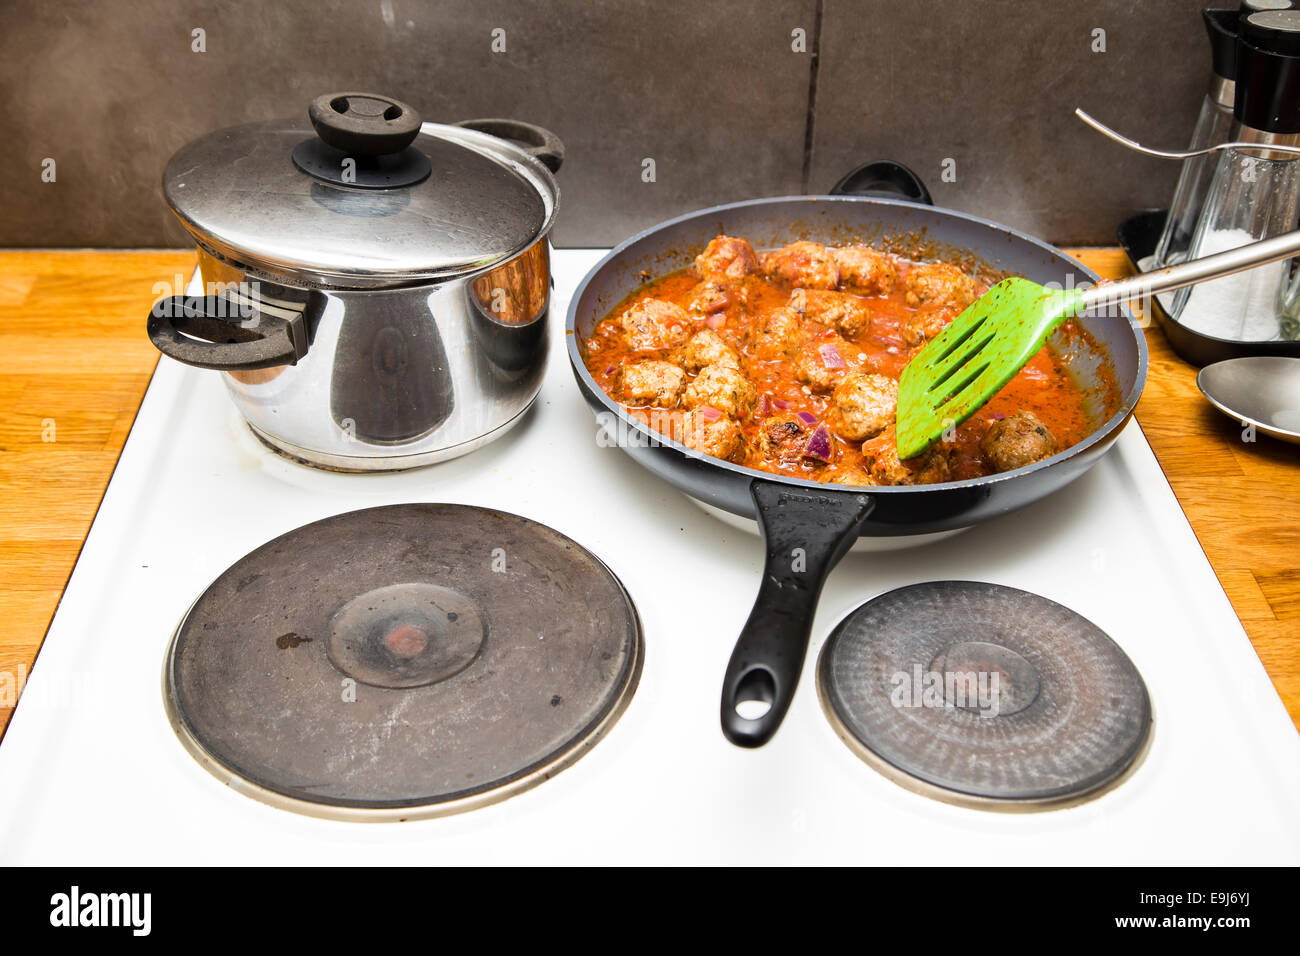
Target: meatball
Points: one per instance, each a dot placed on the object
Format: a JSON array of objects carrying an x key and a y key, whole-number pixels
[
  {"x": 724, "y": 388},
  {"x": 1018, "y": 440},
  {"x": 865, "y": 270},
  {"x": 823, "y": 364},
  {"x": 849, "y": 475},
  {"x": 863, "y": 406},
  {"x": 940, "y": 284},
  {"x": 848, "y": 313},
  {"x": 726, "y": 258},
  {"x": 709, "y": 431},
  {"x": 776, "y": 334},
  {"x": 921, "y": 327},
  {"x": 880, "y": 458},
  {"x": 783, "y": 438},
  {"x": 809, "y": 265},
  {"x": 708, "y": 348},
  {"x": 711, "y": 296},
  {"x": 650, "y": 383},
  {"x": 655, "y": 324}
]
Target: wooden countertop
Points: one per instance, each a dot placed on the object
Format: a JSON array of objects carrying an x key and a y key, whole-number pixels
[{"x": 76, "y": 364}]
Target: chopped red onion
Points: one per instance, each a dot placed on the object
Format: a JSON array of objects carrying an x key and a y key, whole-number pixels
[
  {"x": 781, "y": 403},
  {"x": 716, "y": 321},
  {"x": 808, "y": 418},
  {"x": 709, "y": 413},
  {"x": 819, "y": 445},
  {"x": 831, "y": 356}
]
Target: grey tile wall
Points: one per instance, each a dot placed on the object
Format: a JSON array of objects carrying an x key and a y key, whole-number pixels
[
  {"x": 712, "y": 91},
  {"x": 992, "y": 85}
]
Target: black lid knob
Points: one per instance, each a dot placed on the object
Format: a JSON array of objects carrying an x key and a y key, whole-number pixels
[
  {"x": 364, "y": 124},
  {"x": 1221, "y": 25},
  {"x": 363, "y": 141},
  {"x": 1268, "y": 72}
]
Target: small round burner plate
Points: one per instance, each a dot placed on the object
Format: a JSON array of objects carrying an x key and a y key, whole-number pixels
[
  {"x": 984, "y": 695},
  {"x": 403, "y": 662}
]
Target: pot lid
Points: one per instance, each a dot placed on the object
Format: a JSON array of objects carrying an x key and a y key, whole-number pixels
[{"x": 363, "y": 195}]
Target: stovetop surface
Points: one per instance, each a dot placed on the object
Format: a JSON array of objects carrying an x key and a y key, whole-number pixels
[{"x": 94, "y": 773}]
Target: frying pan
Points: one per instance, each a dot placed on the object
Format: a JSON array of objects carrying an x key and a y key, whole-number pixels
[{"x": 807, "y": 526}]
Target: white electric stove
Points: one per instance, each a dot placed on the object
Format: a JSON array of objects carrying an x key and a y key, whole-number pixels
[{"x": 93, "y": 773}]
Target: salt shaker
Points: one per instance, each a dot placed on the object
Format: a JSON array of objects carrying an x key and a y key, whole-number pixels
[{"x": 1253, "y": 195}]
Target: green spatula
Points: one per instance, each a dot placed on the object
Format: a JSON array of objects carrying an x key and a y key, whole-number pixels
[{"x": 983, "y": 348}]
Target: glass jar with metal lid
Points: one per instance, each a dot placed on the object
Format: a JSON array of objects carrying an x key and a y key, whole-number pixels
[
  {"x": 375, "y": 288},
  {"x": 1255, "y": 192}
]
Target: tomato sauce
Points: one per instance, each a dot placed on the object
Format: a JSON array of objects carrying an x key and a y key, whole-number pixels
[{"x": 1044, "y": 387}]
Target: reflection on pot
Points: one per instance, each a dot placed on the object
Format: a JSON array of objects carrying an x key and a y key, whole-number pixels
[
  {"x": 508, "y": 309},
  {"x": 390, "y": 383},
  {"x": 363, "y": 204}
]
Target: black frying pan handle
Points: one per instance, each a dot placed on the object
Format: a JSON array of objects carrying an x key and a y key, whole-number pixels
[
  {"x": 886, "y": 179},
  {"x": 539, "y": 143},
  {"x": 216, "y": 332},
  {"x": 805, "y": 533}
]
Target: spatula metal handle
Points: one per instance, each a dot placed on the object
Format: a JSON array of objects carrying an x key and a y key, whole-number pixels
[{"x": 1190, "y": 273}]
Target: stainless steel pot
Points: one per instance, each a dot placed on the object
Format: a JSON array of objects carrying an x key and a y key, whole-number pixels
[{"x": 376, "y": 288}]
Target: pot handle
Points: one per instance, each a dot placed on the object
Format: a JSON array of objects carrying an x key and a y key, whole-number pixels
[
  {"x": 218, "y": 332},
  {"x": 539, "y": 143},
  {"x": 805, "y": 533},
  {"x": 886, "y": 179}
]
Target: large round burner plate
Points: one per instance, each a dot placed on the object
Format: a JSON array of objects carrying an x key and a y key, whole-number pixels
[
  {"x": 984, "y": 695},
  {"x": 403, "y": 661}
]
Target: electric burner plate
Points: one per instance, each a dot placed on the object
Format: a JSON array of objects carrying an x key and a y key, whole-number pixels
[
  {"x": 984, "y": 695},
  {"x": 403, "y": 661}
]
